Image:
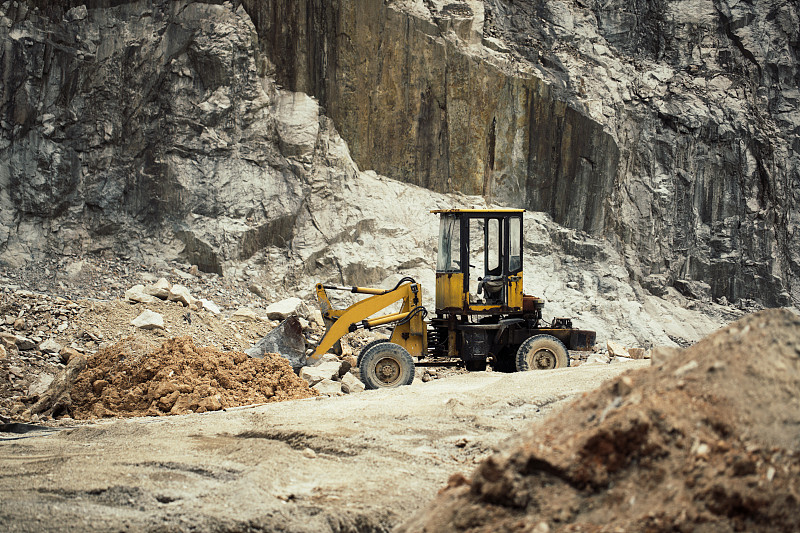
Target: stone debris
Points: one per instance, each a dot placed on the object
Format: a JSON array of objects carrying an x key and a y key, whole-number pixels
[
  {"x": 324, "y": 370},
  {"x": 210, "y": 306},
  {"x": 245, "y": 313},
  {"x": 328, "y": 387},
  {"x": 24, "y": 343},
  {"x": 429, "y": 374},
  {"x": 179, "y": 293},
  {"x": 137, "y": 294},
  {"x": 50, "y": 346},
  {"x": 308, "y": 453},
  {"x": 332, "y": 370},
  {"x": 281, "y": 310},
  {"x": 148, "y": 320},
  {"x": 616, "y": 350},
  {"x": 159, "y": 289},
  {"x": 351, "y": 384},
  {"x": 637, "y": 353},
  {"x": 257, "y": 289},
  {"x": 598, "y": 358}
]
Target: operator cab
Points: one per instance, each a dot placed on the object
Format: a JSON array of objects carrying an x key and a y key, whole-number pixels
[{"x": 479, "y": 266}]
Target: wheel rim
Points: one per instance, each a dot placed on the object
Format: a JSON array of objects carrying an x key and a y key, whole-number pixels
[
  {"x": 387, "y": 370},
  {"x": 542, "y": 359}
]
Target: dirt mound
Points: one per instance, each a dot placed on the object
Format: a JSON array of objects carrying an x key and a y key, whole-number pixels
[
  {"x": 709, "y": 441},
  {"x": 178, "y": 378}
]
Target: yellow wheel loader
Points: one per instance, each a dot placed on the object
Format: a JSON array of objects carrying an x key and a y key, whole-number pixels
[{"x": 482, "y": 316}]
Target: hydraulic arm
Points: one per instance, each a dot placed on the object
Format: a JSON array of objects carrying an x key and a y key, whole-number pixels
[{"x": 409, "y": 325}]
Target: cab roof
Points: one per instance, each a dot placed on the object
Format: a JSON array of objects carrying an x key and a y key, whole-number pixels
[{"x": 486, "y": 211}]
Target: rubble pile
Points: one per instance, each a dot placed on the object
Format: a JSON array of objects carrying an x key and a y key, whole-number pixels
[
  {"x": 178, "y": 378},
  {"x": 332, "y": 376},
  {"x": 706, "y": 440}
]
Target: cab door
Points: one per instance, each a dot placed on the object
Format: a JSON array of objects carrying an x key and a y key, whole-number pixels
[{"x": 513, "y": 261}]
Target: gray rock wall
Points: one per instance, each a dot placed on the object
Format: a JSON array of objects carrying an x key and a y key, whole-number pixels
[
  {"x": 145, "y": 128},
  {"x": 154, "y": 127},
  {"x": 671, "y": 127}
]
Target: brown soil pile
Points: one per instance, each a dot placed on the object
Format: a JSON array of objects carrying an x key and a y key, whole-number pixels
[
  {"x": 707, "y": 442},
  {"x": 179, "y": 378}
]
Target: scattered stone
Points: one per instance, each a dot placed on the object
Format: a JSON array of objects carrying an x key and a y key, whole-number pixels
[
  {"x": 159, "y": 289},
  {"x": 636, "y": 353},
  {"x": 323, "y": 371},
  {"x": 352, "y": 360},
  {"x": 351, "y": 384},
  {"x": 148, "y": 320},
  {"x": 50, "y": 346},
  {"x": 328, "y": 358},
  {"x": 284, "y": 308},
  {"x": 67, "y": 354},
  {"x": 210, "y": 306},
  {"x": 316, "y": 317},
  {"x": 3, "y": 353},
  {"x": 19, "y": 324},
  {"x": 617, "y": 350},
  {"x": 40, "y": 385},
  {"x": 76, "y": 14},
  {"x": 138, "y": 294},
  {"x": 179, "y": 293},
  {"x": 600, "y": 358},
  {"x": 328, "y": 387},
  {"x": 8, "y": 339},
  {"x": 244, "y": 314},
  {"x": 308, "y": 453},
  {"x": 24, "y": 343},
  {"x": 194, "y": 271},
  {"x": 257, "y": 289}
]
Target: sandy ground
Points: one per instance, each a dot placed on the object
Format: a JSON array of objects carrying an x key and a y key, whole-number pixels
[{"x": 352, "y": 463}]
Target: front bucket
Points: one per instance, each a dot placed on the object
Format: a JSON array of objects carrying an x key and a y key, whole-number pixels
[{"x": 286, "y": 340}]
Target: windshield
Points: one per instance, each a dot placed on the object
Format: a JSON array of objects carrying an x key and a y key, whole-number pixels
[{"x": 449, "y": 245}]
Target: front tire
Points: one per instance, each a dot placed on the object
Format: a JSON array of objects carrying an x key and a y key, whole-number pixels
[
  {"x": 386, "y": 365},
  {"x": 542, "y": 352},
  {"x": 367, "y": 347}
]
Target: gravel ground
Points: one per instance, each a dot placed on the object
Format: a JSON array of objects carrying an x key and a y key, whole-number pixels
[{"x": 352, "y": 463}]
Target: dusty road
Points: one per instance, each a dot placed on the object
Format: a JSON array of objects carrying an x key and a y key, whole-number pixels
[{"x": 353, "y": 463}]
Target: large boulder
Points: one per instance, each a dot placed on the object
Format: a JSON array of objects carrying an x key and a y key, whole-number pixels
[
  {"x": 283, "y": 309},
  {"x": 286, "y": 340}
]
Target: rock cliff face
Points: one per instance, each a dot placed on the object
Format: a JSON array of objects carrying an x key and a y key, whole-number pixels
[
  {"x": 186, "y": 129},
  {"x": 145, "y": 128},
  {"x": 671, "y": 127}
]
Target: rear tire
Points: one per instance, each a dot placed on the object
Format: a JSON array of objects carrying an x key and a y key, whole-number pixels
[
  {"x": 367, "y": 347},
  {"x": 386, "y": 365},
  {"x": 542, "y": 352}
]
